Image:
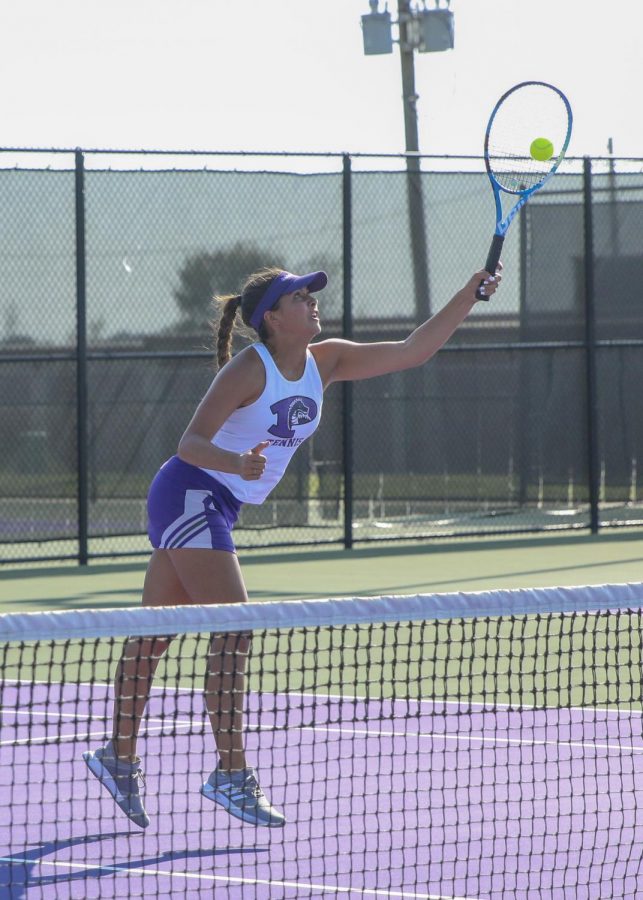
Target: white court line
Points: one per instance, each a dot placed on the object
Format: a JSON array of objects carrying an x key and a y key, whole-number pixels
[
  {"x": 76, "y": 736},
  {"x": 482, "y": 738},
  {"x": 47, "y": 713},
  {"x": 64, "y": 739},
  {"x": 361, "y": 732},
  {"x": 428, "y": 701},
  {"x": 479, "y": 704},
  {"x": 326, "y": 888}
]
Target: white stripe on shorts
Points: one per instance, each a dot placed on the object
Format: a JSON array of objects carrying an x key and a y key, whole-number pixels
[{"x": 191, "y": 528}]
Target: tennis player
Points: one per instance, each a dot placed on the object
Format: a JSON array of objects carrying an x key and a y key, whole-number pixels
[{"x": 259, "y": 409}]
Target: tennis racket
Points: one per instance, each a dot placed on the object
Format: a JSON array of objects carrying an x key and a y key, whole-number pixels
[{"x": 526, "y": 139}]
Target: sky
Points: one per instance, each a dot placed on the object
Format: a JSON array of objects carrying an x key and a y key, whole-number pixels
[{"x": 291, "y": 75}]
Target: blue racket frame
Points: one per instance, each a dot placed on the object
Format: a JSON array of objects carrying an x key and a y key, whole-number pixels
[{"x": 502, "y": 224}]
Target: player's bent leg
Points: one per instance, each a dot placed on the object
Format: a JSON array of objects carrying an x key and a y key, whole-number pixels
[
  {"x": 225, "y": 692},
  {"x": 116, "y": 764},
  {"x": 208, "y": 576},
  {"x": 214, "y": 576}
]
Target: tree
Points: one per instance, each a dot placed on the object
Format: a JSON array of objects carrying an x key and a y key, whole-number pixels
[{"x": 221, "y": 272}]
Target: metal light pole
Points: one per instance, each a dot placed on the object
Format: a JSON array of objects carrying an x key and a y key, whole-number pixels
[
  {"x": 426, "y": 30},
  {"x": 415, "y": 199}
]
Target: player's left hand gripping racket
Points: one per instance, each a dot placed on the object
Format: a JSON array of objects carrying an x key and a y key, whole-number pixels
[{"x": 527, "y": 137}]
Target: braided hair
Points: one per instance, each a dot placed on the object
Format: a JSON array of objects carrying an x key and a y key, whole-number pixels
[{"x": 253, "y": 290}]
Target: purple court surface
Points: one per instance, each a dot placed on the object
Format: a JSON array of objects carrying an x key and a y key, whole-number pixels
[{"x": 383, "y": 799}]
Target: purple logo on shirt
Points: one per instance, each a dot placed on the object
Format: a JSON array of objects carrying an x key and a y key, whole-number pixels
[{"x": 291, "y": 412}]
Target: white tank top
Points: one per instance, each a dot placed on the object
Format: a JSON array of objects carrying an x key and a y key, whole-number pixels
[{"x": 286, "y": 413}]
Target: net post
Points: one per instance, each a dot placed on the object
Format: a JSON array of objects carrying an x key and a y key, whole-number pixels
[
  {"x": 81, "y": 359},
  {"x": 347, "y": 334},
  {"x": 590, "y": 350}
]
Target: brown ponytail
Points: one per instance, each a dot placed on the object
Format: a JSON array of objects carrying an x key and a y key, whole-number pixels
[
  {"x": 252, "y": 292},
  {"x": 231, "y": 304}
]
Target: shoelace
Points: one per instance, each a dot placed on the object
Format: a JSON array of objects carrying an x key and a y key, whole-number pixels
[
  {"x": 137, "y": 775},
  {"x": 253, "y": 786},
  {"x": 249, "y": 785}
]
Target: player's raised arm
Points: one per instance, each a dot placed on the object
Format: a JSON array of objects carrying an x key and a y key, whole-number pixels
[{"x": 341, "y": 360}]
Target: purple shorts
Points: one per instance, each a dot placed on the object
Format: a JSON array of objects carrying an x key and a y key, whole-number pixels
[{"x": 188, "y": 508}]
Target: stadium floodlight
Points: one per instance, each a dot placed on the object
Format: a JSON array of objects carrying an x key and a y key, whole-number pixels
[
  {"x": 436, "y": 30},
  {"x": 376, "y": 31},
  {"x": 426, "y": 30}
]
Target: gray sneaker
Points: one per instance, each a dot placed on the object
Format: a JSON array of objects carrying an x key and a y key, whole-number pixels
[
  {"x": 122, "y": 780},
  {"x": 240, "y": 794}
]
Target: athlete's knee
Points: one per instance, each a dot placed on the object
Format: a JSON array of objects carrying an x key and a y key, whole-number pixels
[{"x": 147, "y": 649}]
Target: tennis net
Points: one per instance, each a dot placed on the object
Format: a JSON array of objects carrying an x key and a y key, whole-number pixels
[{"x": 483, "y": 745}]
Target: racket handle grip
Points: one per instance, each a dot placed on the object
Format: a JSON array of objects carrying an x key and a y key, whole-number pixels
[{"x": 493, "y": 258}]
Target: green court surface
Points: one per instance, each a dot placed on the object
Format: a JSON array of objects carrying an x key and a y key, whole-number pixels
[{"x": 439, "y": 567}]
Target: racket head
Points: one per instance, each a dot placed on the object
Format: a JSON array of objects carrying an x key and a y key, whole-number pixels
[{"x": 529, "y": 110}]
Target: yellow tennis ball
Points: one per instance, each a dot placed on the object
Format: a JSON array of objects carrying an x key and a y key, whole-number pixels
[{"x": 541, "y": 149}]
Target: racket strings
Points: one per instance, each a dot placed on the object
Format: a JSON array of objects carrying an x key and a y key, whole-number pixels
[{"x": 526, "y": 113}]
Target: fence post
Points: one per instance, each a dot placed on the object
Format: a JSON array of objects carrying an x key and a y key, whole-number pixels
[
  {"x": 523, "y": 443},
  {"x": 81, "y": 362},
  {"x": 590, "y": 351},
  {"x": 347, "y": 333}
]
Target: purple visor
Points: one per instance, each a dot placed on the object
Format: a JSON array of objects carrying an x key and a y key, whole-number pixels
[{"x": 286, "y": 283}]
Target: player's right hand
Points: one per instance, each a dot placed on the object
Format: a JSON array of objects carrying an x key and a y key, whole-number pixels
[{"x": 253, "y": 463}]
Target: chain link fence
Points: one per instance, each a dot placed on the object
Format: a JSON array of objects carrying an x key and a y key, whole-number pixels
[{"x": 528, "y": 420}]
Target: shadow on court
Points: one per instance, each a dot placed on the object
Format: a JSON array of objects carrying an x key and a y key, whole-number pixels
[
  {"x": 447, "y": 545},
  {"x": 17, "y": 875},
  {"x": 302, "y": 573},
  {"x": 376, "y": 549}
]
